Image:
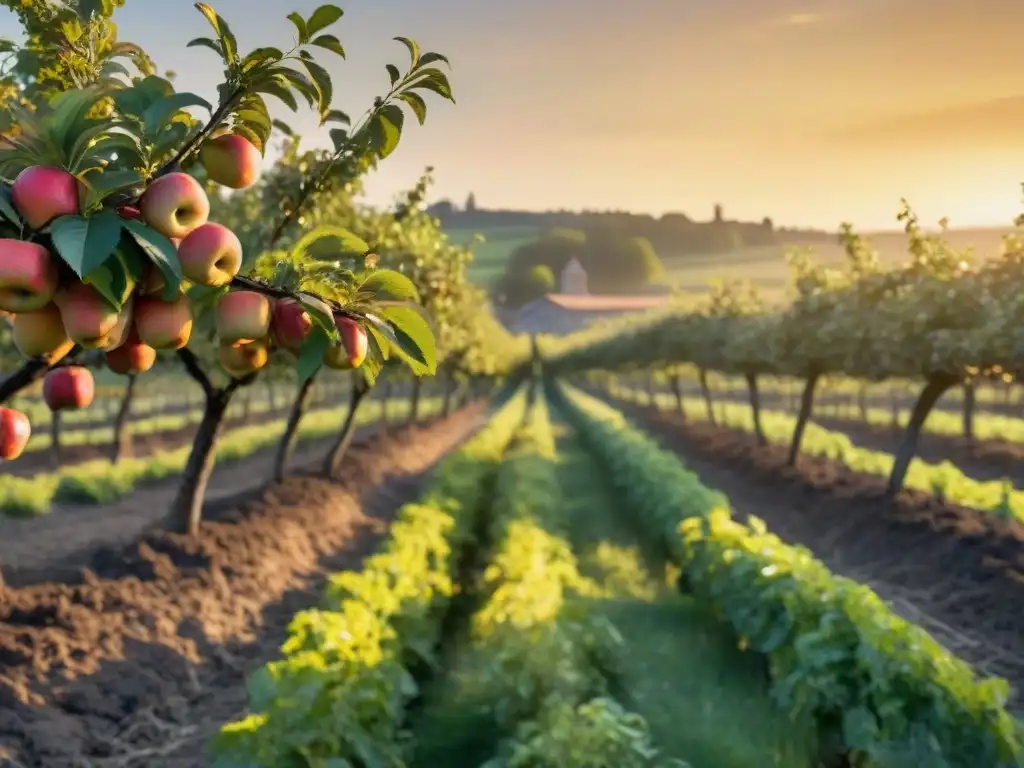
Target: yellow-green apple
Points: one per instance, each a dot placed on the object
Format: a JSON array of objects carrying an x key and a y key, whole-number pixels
[
  {"x": 242, "y": 316},
  {"x": 70, "y": 387},
  {"x": 119, "y": 333},
  {"x": 41, "y": 334},
  {"x": 353, "y": 348},
  {"x": 244, "y": 357},
  {"x": 231, "y": 160},
  {"x": 211, "y": 255},
  {"x": 163, "y": 324},
  {"x": 15, "y": 431},
  {"x": 28, "y": 276},
  {"x": 89, "y": 319},
  {"x": 131, "y": 357},
  {"x": 174, "y": 205},
  {"x": 290, "y": 324},
  {"x": 41, "y": 193}
]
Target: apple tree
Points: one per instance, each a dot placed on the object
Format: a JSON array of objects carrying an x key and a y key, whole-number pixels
[{"x": 107, "y": 242}]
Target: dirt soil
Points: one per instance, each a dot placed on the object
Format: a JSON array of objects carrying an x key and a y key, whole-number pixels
[
  {"x": 958, "y": 572},
  {"x": 140, "y": 663}
]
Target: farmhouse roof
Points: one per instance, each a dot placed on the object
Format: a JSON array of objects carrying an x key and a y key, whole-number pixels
[{"x": 592, "y": 303}]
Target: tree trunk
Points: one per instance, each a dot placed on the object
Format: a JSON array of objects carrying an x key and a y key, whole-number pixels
[
  {"x": 705, "y": 391},
  {"x": 449, "y": 390},
  {"x": 332, "y": 462},
  {"x": 677, "y": 390},
  {"x": 247, "y": 404},
  {"x": 862, "y": 402},
  {"x": 187, "y": 507},
  {"x": 652, "y": 399},
  {"x": 385, "y": 401},
  {"x": 414, "y": 403},
  {"x": 286, "y": 445},
  {"x": 806, "y": 409},
  {"x": 755, "y": 407},
  {"x": 56, "y": 450},
  {"x": 122, "y": 446},
  {"x": 933, "y": 390},
  {"x": 968, "y": 410},
  {"x": 894, "y": 406},
  {"x": 271, "y": 395}
]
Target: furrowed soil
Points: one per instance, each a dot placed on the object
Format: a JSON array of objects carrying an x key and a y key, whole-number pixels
[
  {"x": 140, "y": 661},
  {"x": 957, "y": 572}
]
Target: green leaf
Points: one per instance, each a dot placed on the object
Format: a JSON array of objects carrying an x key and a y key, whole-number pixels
[
  {"x": 86, "y": 243},
  {"x": 157, "y": 114},
  {"x": 323, "y": 17},
  {"x": 105, "y": 183},
  {"x": 206, "y": 42},
  {"x": 161, "y": 252},
  {"x": 417, "y": 104},
  {"x": 68, "y": 108},
  {"x": 299, "y": 82},
  {"x": 389, "y": 284},
  {"x": 387, "y": 129},
  {"x": 337, "y": 116},
  {"x": 393, "y": 73},
  {"x": 324, "y": 89},
  {"x": 260, "y": 55},
  {"x": 413, "y": 48},
  {"x": 330, "y": 242},
  {"x": 283, "y": 127},
  {"x": 311, "y": 356},
  {"x": 380, "y": 332},
  {"x": 111, "y": 282},
  {"x": 430, "y": 57},
  {"x": 300, "y": 26},
  {"x": 339, "y": 138},
  {"x": 329, "y": 42},
  {"x": 7, "y": 208},
  {"x": 435, "y": 81},
  {"x": 414, "y": 337},
  {"x": 278, "y": 87},
  {"x": 320, "y": 313},
  {"x": 223, "y": 32}
]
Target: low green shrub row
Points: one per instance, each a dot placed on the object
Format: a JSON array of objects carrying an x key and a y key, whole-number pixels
[
  {"x": 338, "y": 696},
  {"x": 880, "y": 686}
]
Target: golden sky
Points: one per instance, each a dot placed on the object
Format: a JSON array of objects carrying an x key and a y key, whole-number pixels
[{"x": 812, "y": 112}]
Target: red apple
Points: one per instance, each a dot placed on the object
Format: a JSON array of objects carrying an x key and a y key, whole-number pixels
[
  {"x": 352, "y": 350},
  {"x": 28, "y": 276},
  {"x": 290, "y": 324},
  {"x": 164, "y": 325},
  {"x": 41, "y": 334},
  {"x": 129, "y": 212},
  {"x": 231, "y": 160},
  {"x": 211, "y": 255},
  {"x": 131, "y": 357},
  {"x": 15, "y": 431},
  {"x": 242, "y": 316},
  {"x": 89, "y": 319},
  {"x": 42, "y": 193},
  {"x": 70, "y": 387},
  {"x": 174, "y": 205},
  {"x": 244, "y": 357}
]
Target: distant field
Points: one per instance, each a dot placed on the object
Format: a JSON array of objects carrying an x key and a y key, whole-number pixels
[
  {"x": 491, "y": 255},
  {"x": 765, "y": 265}
]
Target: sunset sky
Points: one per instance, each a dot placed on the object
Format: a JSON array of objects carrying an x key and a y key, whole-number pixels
[{"x": 810, "y": 113}]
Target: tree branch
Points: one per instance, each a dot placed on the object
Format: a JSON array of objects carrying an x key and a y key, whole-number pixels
[
  {"x": 194, "y": 370},
  {"x": 31, "y": 371}
]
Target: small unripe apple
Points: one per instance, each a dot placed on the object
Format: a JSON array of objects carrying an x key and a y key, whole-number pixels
[
  {"x": 211, "y": 255},
  {"x": 70, "y": 387},
  {"x": 354, "y": 346},
  {"x": 131, "y": 357},
  {"x": 162, "y": 324},
  {"x": 28, "y": 276},
  {"x": 15, "y": 431},
  {"x": 231, "y": 161},
  {"x": 244, "y": 357},
  {"x": 42, "y": 193},
  {"x": 41, "y": 334},
  {"x": 290, "y": 324},
  {"x": 242, "y": 316},
  {"x": 174, "y": 205}
]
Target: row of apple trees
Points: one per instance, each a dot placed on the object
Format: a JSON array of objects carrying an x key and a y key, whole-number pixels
[
  {"x": 113, "y": 243},
  {"x": 941, "y": 318}
]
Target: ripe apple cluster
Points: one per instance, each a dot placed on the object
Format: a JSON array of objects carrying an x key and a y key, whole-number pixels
[{"x": 52, "y": 312}]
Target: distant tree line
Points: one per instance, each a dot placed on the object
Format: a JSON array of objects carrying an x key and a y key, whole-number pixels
[{"x": 671, "y": 233}]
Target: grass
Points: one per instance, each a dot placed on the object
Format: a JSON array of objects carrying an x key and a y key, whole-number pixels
[
  {"x": 704, "y": 700},
  {"x": 100, "y": 482}
]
